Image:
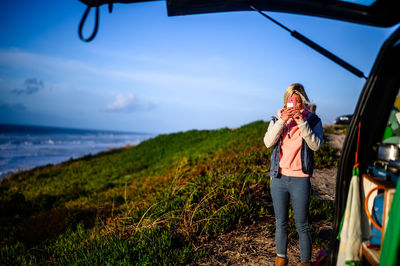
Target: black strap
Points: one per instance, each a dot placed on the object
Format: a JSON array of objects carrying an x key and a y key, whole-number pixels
[{"x": 96, "y": 25}]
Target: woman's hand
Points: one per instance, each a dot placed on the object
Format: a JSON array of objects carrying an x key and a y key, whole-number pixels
[
  {"x": 286, "y": 114},
  {"x": 297, "y": 116}
]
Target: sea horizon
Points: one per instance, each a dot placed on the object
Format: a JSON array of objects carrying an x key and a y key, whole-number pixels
[
  {"x": 23, "y": 147},
  {"x": 8, "y": 127}
]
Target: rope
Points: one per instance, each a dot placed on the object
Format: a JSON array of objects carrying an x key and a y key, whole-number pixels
[
  {"x": 358, "y": 143},
  {"x": 367, "y": 210},
  {"x": 356, "y": 170}
]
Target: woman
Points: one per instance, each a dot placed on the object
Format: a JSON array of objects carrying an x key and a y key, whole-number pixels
[{"x": 294, "y": 133}]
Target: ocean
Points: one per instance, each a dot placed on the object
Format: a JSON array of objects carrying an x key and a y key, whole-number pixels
[{"x": 24, "y": 147}]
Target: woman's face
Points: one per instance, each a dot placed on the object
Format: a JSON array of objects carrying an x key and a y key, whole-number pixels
[{"x": 299, "y": 103}]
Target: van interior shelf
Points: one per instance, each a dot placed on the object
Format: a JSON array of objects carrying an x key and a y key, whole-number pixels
[
  {"x": 380, "y": 182},
  {"x": 372, "y": 255}
]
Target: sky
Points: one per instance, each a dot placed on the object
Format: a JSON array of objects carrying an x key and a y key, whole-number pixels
[{"x": 147, "y": 72}]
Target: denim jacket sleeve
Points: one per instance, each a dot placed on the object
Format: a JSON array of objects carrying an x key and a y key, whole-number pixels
[
  {"x": 273, "y": 132},
  {"x": 313, "y": 137}
]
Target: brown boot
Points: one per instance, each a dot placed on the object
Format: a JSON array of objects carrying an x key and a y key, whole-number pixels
[
  {"x": 281, "y": 261},
  {"x": 303, "y": 264}
]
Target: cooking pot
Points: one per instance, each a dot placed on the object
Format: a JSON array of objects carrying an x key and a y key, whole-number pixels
[{"x": 387, "y": 152}]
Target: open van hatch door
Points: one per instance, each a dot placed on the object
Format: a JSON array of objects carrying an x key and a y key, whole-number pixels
[{"x": 382, "y": 13}]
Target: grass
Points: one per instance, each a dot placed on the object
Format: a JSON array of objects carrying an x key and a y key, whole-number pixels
[{"x": 148, "y": 204}]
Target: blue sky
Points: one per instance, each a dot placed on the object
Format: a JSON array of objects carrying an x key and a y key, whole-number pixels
[{"x": 147, "y": 72}]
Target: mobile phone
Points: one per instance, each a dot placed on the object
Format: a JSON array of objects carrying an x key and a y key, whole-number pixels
[{"x": 291, "y": 102}]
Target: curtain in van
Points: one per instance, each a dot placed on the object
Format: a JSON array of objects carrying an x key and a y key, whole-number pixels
[{"x": 351, "y": 232}]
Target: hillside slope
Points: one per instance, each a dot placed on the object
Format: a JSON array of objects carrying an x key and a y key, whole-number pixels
[{"x": 157, "y": 202}]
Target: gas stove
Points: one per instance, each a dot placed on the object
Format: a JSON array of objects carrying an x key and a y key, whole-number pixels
[{"x": 387, "y": 170}]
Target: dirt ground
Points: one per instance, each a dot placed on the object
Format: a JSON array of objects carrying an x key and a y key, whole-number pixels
[
  {"x": 254, "y": 244},
  {"x": 251, "y": 245}
]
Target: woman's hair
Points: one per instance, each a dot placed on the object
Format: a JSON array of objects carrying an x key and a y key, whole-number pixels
[{"x": 297, "y": 88}]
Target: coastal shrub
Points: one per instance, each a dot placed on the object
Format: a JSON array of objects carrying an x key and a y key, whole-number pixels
[
  {"x": 326, "y": 157},
  {"x": 336, "y": 129}
]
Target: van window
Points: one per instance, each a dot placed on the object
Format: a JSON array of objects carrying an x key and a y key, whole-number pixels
[
  {"x": 392, "y": 130},
  {"x": 360, "y": 2}
]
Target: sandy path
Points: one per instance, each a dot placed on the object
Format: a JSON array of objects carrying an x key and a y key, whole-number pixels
[
  {"x": 251, "y": 245},
  {"x": 323, "y": 182}
]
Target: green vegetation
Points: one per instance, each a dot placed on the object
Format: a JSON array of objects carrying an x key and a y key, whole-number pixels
[
  {"x": 336, "y": 129},
  {"x": 149, "y": 204}
]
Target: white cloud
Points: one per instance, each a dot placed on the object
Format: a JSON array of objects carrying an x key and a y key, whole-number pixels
[
  {"x": 128, "y": 103},
  {"x": 49, "y": 64},
  {"x": 76, "y": 69},
  {"x": 158, "y": 81}
]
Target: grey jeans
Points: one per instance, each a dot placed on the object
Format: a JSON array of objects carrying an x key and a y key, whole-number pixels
[{"x": 299, "y": 189}]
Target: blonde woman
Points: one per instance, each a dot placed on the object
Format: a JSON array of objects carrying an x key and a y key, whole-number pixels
[{"x": 294, "y": 133}]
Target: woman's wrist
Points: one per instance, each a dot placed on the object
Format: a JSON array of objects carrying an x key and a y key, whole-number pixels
[{"x": 281, "y": 121}]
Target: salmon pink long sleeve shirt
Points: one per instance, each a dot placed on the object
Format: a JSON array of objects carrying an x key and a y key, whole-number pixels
[{"x": 292, "y": 137}]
